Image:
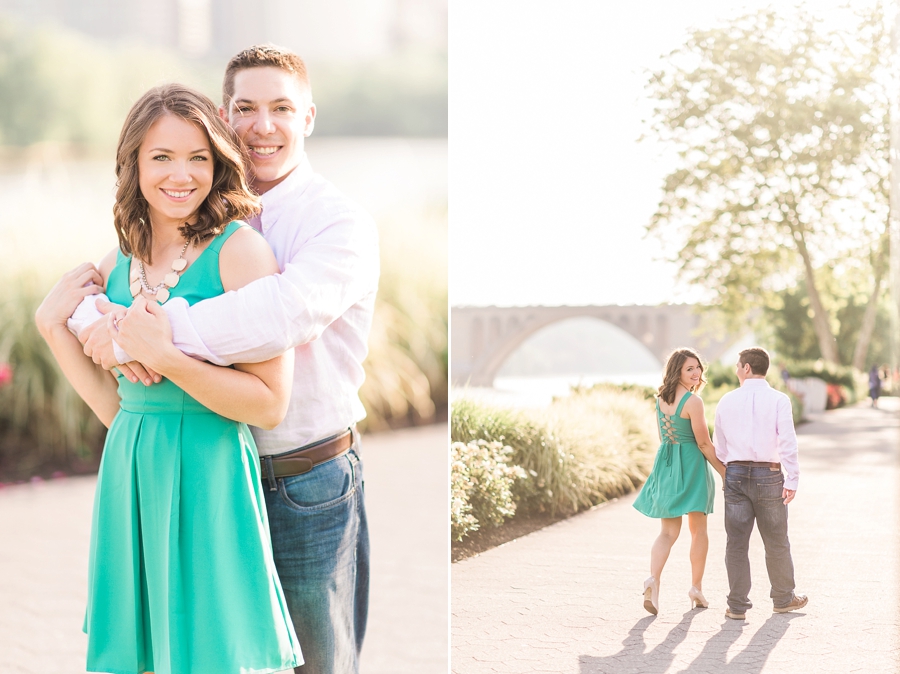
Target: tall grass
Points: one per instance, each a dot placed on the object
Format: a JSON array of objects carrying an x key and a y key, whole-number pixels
[
  {"x": 44, "y": 425},
  {"x": 407, "y": 366},
  {"x": 582, "y": 450}
]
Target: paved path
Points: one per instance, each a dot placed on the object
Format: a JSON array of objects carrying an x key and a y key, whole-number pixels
[
  {"x": 44, "y": 532},
  {"x": 567, "y": 599}
]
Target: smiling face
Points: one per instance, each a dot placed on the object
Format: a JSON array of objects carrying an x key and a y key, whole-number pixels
[
  {"x": 690, "y": 373},
  {"x": 272, "y": 112},
  {"x": 175, "y": 169}
]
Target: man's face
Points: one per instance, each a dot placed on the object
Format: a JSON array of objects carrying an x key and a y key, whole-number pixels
[{"x": 272, "y": 112}]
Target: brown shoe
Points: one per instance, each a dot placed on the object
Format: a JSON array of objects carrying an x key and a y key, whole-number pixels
[
  {"x": 799, "y": 601},
  {"x": 734, "y": 615}
]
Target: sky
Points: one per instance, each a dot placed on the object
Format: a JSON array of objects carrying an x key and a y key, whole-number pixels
[{"x": 550, "y": 191}]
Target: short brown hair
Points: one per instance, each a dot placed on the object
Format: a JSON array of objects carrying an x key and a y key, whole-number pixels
[
  {"x": 262, "y": 56},
  {"x": 672, "y": 376},
  {"x": 757, "y": 358},
  {"x": 229, "y": 198}
]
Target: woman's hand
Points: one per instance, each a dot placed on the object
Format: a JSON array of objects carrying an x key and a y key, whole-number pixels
[
  {"x": 145, "y": 333},
  {"x": 62, "y": 300}
]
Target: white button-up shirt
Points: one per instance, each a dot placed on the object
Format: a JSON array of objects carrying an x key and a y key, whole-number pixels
[
  {"x": 754, "y": 423},
  {"x": 321, "y": 305}
]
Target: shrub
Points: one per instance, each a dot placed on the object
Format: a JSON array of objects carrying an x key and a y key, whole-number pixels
[
  {"x": 481, "y": 481},
  {"x": 646, "y": 392},
  {"x": 827, "y": 372},
  {"x": 580, "y": 451}
]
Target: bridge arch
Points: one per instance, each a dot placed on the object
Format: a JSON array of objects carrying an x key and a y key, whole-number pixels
[
  {"x": 578, "y": 346},
  {"x": 482, "y": 338}
]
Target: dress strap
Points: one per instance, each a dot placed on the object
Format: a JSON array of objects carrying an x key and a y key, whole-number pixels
[
  {"x": 233, "y": 226},
  {"x": 687, "y": 394}
]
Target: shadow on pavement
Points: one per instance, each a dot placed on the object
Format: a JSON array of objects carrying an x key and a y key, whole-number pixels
[
  {"x": 752, "y": 658},
  {"x": 632, "y": 657}
]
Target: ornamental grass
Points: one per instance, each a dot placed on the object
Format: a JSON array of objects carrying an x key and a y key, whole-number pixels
[{"x": 580, "y": 451}]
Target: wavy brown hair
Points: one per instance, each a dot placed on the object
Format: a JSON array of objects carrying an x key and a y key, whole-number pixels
[
  {"x": 229, "y": 198},
  {"x": 674, "y": 363}
]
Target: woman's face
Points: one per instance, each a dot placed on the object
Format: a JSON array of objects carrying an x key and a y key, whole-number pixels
[
  {"x": 175, "y": 169},
  {"x": 690, "y": 373}
]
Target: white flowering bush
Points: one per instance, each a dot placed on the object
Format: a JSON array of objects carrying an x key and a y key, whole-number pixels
[{"x": 481, "y": 486}]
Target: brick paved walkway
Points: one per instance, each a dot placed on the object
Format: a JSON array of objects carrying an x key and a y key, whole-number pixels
[
  {"x": 45, "y": 528},
  {"x": 567, "y": 599}
]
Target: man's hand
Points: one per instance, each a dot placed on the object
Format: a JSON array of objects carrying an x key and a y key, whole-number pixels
[
  {"x": 98, "y": 345},
  {"x": 145, "y": 334},
  {"x": 788, "y": 495}
]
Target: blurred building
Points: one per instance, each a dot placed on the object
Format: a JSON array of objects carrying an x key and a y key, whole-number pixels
[{"x": 336, "y": 30}]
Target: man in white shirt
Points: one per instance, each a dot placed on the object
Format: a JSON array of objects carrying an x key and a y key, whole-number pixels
[
  {"x": 755, "y": 439},
  {"x": 321, "y": 305}
]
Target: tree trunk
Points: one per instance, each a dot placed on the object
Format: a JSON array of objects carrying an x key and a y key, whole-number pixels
[
  {"x": 894, "y": 218},
  {"x": 827, "y": 343},
  {"x": 868, "y": 324}
]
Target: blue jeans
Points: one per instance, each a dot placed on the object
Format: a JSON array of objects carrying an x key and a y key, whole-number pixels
[
  {"x": 755, "y": 494},
  {"x": 320, "y": 540}
]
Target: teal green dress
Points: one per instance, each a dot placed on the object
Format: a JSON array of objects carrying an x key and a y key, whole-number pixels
[
  {"x": 681, "y": 481},
  {"x": 181, "y": 578}
]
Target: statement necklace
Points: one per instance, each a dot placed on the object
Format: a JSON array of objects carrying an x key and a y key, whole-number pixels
[{"x": 170, "y": 280}]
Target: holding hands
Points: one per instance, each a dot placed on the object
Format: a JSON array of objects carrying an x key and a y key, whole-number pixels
[{"x": 144, "y": 332}]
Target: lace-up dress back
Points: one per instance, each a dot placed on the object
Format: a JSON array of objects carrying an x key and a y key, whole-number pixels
[{"x": 681, "y": 480}]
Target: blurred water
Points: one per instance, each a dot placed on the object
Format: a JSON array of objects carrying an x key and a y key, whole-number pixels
[
  {"x": 530, "y": 392},
  {"x": 57, "y": 212}
]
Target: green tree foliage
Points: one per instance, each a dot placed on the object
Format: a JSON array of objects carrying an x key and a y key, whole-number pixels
[
  {"x": 781, "y": 131},
  {"x": 403, "y": 95},
  {"x": 793, "y": 336},
  {"x": 58, "y": 86},
  {"x": 62, "y": 87}
]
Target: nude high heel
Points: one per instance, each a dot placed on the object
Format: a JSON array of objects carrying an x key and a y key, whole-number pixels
[
  {"x": 651, "y": 595},
  {"x": 697, "y": 598}
]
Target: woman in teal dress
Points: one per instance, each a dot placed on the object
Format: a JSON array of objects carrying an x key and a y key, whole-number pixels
[
  {"x": 681, "y": 482},
  {"x": 181, "y": 577}
]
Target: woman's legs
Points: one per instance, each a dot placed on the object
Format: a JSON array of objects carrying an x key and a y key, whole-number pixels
[
  {"x": 659, "y": 553},
  {"x": 699, "y": 547}
]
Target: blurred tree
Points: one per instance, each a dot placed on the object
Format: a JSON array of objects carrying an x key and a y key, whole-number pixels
[
  {"x": 791, "y": 331},
  {"x": 782, "y": 134},
  {"x": 60, "y": 86}
]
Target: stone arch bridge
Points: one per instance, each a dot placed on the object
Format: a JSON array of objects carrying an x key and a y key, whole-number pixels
[{"x": 482, "y": 338}]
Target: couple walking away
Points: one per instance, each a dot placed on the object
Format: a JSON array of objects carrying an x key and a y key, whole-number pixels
[
  {"x": 218, "y": 546},
  {"x": 754, "y": 440}
]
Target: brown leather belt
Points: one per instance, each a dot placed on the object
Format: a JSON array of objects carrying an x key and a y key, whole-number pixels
[
  {"x": 755, "y": 464},
  {"x": 304, "y": 459}
]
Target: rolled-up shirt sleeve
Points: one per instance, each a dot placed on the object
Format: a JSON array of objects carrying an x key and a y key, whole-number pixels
[{"x": 787, "y": 444}]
